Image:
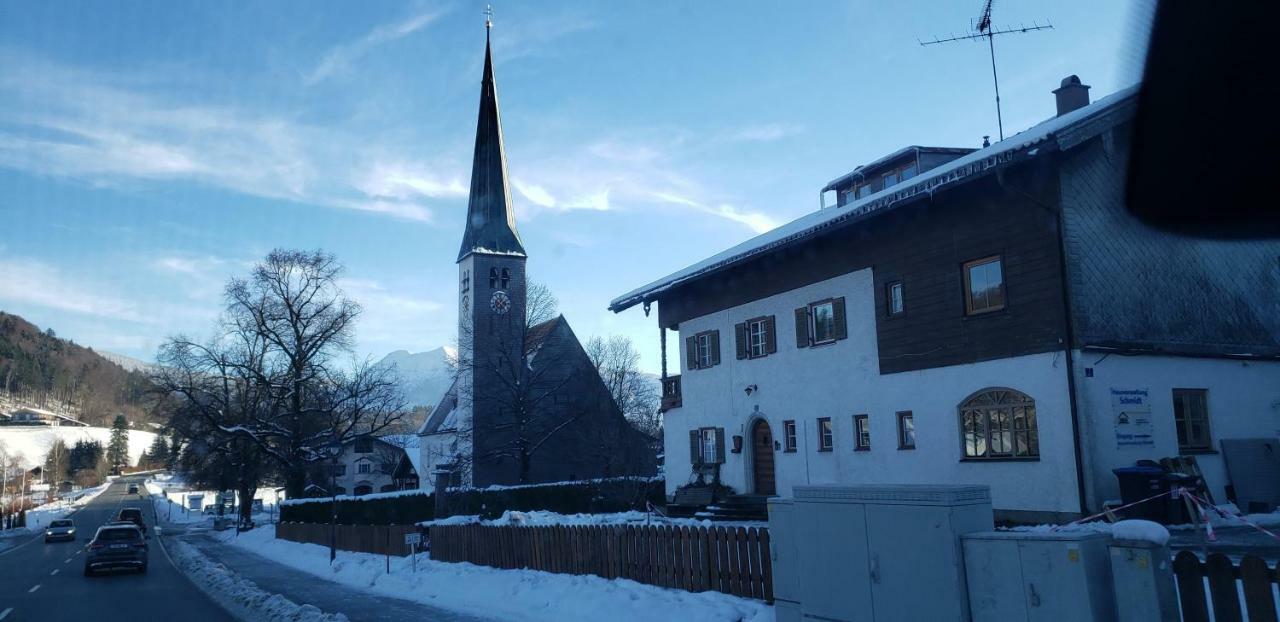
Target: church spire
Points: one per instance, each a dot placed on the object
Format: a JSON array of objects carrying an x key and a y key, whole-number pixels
[{"x": 491, "y": 223}]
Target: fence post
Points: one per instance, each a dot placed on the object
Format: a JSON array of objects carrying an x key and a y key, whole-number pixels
[
  {"x": 1255, "y": 578},
  {"x": 1186, "y": 568},
  {"x": 1143, "y": 578}
]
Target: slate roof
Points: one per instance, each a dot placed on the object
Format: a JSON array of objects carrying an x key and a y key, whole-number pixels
[{"x": 491, "y": 223}]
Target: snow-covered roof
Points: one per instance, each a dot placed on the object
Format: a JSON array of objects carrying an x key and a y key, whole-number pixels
[
  {"x": 873, "y": 165},
  {"x": 1022, "y": 144}
]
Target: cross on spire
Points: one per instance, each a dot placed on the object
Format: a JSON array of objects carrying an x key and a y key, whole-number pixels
[{"x": 488, "y": 16}]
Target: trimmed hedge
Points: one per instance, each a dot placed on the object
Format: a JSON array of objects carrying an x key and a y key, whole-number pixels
[{"x": 588, "y": 497}]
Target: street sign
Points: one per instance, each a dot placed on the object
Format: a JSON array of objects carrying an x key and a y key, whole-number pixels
[{"x": 412, "y": 538}]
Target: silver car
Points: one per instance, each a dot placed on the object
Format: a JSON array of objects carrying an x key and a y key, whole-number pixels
[{"x": 60, "y": 529}]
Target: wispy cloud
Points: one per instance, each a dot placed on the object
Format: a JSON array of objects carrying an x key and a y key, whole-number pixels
[
  {"x": 762, "y": 133},
  {"x": 340, "y": 57},
  {"x": 39, "y": 284},
  {"x": 757, "y": 221},
  {"x": 388, "y": 313}
]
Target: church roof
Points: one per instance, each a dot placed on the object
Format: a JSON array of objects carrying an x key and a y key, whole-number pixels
[{"x": 491, "y": 223}]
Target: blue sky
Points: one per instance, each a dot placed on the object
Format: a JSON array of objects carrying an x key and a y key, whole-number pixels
[{"x": 150, "y": 150}]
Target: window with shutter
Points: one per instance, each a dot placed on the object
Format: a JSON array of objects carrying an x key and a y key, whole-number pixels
[
  {"x": 770, "y": 335},
  {"x": 695, "y": 447},
  {"x": 802, "y": 327},
  {"x": 691, "y": 353},
  {"x": 838, "y": 318},
  {"x": 719, "y": 457},
  {"x": 823, "y": 316},
  {"x": 714, "y": 338},
  {"x": 740, "y": 340}
]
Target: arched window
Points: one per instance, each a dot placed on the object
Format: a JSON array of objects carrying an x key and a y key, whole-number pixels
[
  {"x": 493, "y": 278},
  {"x": 506, "y": 277},
  {"x": 363, "y": 489},
  {"x": 998, "y": 423}
]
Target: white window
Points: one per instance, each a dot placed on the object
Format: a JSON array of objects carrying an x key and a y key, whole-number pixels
[
  {"x": 826, "y": 434},
  {"x": 824, "y": 321},
  {"x": 862, "y": 432},
  {"x": 364, "y": 467},
  {"x": 984, "y": 286},
  {"x": 893, "y": 296},
  {"x": 757, "y": 332},
  {"x": 708, "y": 445},
  {"x": 704, "y": 350}
]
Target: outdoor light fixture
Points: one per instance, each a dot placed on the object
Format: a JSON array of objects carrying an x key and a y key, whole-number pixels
[{"x": 751, "y": 388}]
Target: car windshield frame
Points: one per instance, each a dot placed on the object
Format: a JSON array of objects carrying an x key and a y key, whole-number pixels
[
  {"x": 62, "y": 522},
  {"x": 108, "y": 534}
]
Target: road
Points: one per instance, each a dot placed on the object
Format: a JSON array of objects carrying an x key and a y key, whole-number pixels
[{"x": 46, "y": 581}]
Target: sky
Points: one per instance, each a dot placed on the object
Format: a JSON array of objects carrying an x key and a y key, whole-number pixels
[{"x": 151, "y": 150}]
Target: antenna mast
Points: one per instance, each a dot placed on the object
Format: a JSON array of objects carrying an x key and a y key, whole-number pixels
[{"x": 982, "y": 29}]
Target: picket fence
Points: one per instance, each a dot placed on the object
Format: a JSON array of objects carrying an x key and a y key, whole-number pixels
[
  {"x": 733, "y": 560},
  {"x": 380, "y": 539},
  {"x": 1228, "y": 585}
]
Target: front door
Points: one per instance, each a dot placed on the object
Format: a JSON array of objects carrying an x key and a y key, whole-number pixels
[{"x": 762, "y": 457}]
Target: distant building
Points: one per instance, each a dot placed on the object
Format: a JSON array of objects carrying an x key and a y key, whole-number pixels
[
  {"x": 528, "y": 405},
  {"x": 370, "y": 464},
  {"x": 38, "y": 416},
  {"x": 991, "y": 317}
]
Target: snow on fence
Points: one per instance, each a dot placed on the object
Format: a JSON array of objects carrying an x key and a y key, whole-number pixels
[
  {"x": 1229, "y": 588},
  {"x": 379, "y": 539},
  {"x": 733, "y": 560}
]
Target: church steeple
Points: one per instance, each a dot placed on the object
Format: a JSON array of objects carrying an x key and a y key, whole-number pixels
[{"x": 491, "y": 223}]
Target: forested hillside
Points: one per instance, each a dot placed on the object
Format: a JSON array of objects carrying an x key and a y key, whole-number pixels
[{"x": 39, "y": 369}]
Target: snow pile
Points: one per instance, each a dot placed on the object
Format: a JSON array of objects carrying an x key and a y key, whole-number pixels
[
  {"x": 504, "y": 594},
  {"x": 1217, "y": 520},
  {"x": 40, "y": 516},
  {"x": 1140, "y": 530},
  {"x": 368, "y": 497},
  {"x": 32, "y": 443},
  {"x": 542, "y": 517},
  {"x": 240, "y": 596}
]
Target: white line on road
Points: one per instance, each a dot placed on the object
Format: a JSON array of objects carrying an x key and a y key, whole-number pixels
[
  {"x": 34, "y": 588},
  {"x": 4, "y": 614},
  {"x": 68, "y": 561},
  {"x": 55, "y": 571}
]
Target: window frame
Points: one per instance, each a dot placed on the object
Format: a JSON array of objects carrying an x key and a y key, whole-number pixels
[
  {"x": 707, "y": 446},
  {"x": 364, "y": 468},
  {"x": 813, "y": 322},
  {"x": 763, "y": 324},
  {"x": 699, "y": 341},
  {"x": 1006, "y": 402},
  {"x": 906, "y": 415},
  {"x": 889, "y": 298},
  {"x": 789, "y": 436},
  {"x": 827, "y": 438},
  {"x": 970, "y": 309},
  {"x": 1180, "y": 396},
  {"x": 862, "y": 432}
]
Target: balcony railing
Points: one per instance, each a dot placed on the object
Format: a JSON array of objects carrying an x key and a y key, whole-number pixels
[{"x": 671, "y": 392}]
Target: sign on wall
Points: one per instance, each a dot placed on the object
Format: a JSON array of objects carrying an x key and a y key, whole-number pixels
[{"x": 1131, "y": 412}]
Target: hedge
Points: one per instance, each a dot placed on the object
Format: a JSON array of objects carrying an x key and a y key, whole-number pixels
[{"x": 587, "y": 497}]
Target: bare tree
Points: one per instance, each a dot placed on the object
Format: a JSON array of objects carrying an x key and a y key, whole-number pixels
[{"x": 636, "y": 394}]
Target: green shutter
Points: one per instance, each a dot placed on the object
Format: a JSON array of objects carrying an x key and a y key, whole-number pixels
[
  {"x": 691, "y": 352},
  {"x": 837, "y": 315},
  {"x": 719, "y": 445},
  {"x": 770, "y": 336},
  {"x": 695, "y": 456},
  {"x": 802, "y": 327},
  {"x": 741, "y": 339},
  {"x": 715, "y": 348}
]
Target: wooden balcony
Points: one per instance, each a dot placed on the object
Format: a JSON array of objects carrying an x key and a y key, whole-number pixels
[{"x": 670, "y": 392}]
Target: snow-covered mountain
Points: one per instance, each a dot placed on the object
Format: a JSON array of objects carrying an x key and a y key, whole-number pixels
[
  {"x": 127, "y": 362},
  {"x": 424, "y": 376}
]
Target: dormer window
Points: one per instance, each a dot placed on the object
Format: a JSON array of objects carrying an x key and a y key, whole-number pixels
[
  {"x": 493, "y": 278},
  {"x": 890, "y": 179},
  {"x": 506, "y": 277}
]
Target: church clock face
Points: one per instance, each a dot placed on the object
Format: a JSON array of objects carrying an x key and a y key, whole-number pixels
[{"x": 500, "y": 303}]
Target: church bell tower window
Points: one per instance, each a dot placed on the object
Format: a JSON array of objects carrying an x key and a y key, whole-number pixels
[
  {"x": 506, "y": 277},
  {"x": 493, "y": 278}
]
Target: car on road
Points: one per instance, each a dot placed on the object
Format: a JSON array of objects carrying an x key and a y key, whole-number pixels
[
  {"x": 133, "y": 489},
  {"x": 116, "y": 546},
  {"x": 60, "y": 529},
  {"x": 133, "y": 515}
]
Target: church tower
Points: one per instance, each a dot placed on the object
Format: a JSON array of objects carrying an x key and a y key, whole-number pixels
[{"x": 491, "y": 277}]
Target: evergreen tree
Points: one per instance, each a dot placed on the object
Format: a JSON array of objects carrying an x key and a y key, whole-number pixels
[
  {"x": 175, "y": 452},
  {"x": 118, "y": 447},
  {"x": 158, "y": 452}
]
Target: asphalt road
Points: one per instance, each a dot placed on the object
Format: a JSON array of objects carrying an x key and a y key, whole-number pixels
[{"x": 46, "y": 582}]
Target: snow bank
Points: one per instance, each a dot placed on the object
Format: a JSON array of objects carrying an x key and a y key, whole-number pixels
[
  {"x": 1141, "y": 530},
  {"x": 40, "y": 516},
  {"x": 368, "y": 497},
  {"x": 33, "y": 442},
  {"x": 527, "y": 595},
  {"x": 240, "y": 596},
  {"x": 541, "y": 517}
]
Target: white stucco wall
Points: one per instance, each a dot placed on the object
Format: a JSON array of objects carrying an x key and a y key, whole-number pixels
[
  {"x": 1243, "y": 402},
  {"x": 842, "y": 379}
]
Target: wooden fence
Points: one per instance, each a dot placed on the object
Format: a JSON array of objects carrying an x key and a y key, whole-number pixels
[
  {"x": 1228, "y": 585},
  {"x": 722, "y": 559},
  {"x": 380, "y": 539}
]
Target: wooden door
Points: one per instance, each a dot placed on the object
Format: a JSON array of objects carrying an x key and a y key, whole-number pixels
[{"x": 762, "y": 458}]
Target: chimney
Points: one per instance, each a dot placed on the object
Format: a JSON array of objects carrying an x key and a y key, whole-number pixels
[{"x": 1071, "y": 95}]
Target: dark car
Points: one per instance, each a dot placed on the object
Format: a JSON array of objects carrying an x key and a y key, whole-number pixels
[
  {"x": 133, "y": 515},
  {"x": 60, "y": 529},
  {"x": 116, "y": 546},
  {"x": 133, "y": 489}
]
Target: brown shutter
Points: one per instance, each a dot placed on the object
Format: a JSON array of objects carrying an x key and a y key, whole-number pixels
[
  {"x": 719, "y": 445},
  {"x": 770, "y": 336},
  {"x": 740, "y": 338},
  {"x": 837, "y": 316},
  {"x": 802, "y": 327},
  {"x": 715, "y": 348},
  {"x": 691, "y": 352},
  {"x": 695, "y": 456}
]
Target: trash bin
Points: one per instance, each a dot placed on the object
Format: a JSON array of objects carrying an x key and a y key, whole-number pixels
[{"x": 1138, "y": 483}]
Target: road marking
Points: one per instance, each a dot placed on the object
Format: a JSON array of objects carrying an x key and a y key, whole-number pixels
[
  {"x": 34, "y": 588},
  {"x": 55, "y": 571},
  {"x": 4, "y": 614},
  {"x": 68, "y": 561}
]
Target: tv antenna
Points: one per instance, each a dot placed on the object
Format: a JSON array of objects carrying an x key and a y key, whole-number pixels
[{"x": 982, "y": 29}]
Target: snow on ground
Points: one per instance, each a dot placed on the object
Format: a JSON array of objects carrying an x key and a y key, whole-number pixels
[
  {"x": 1140, "y": 530},
  {"x": 242, "y": 597},
  {"x": 541, "y": 517},
  {"x": 170, "y": 495},
  {"x": 40, "y": 516},
  {"x": 33, "y": 442},
  {"x": 527, "y": 595},
  {"x": 1234, "y": 519}
]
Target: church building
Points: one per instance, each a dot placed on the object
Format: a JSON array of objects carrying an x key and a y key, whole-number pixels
[{"x": 527, "y": 405}]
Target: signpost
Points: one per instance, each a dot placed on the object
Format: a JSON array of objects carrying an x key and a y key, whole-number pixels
[{"x": 412, "y": 540}]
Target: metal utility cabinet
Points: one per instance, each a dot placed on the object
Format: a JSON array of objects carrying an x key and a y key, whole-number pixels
[
  {"x": 1062, "y": 577},
  {"x": 882, "y": 553}
]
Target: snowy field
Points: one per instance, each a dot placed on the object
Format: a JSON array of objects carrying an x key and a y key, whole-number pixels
[
  {"x": 40, "y": 516},
  {"x": 33, "y": 442},
  {"x": 526, "y": 595}
]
